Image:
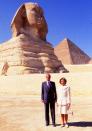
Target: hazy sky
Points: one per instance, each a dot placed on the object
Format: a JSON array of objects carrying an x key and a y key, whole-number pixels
[{"x": 65, "y": 18}]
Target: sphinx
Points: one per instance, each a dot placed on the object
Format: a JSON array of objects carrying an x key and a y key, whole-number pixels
[{"x": 28, "y": 51}]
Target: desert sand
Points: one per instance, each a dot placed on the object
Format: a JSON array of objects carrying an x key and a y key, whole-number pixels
[
  {"x": 21, "y": 108},
  {"x": 27, "y": 114}
]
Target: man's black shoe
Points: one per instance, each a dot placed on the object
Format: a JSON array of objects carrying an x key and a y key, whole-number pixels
[{"x": 47, "y": 124}]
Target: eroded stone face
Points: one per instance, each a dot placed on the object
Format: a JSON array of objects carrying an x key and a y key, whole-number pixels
[{"x": 29, "y": 19}]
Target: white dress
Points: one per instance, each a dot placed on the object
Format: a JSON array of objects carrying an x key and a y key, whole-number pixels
[{"x": 64, "y": 99}]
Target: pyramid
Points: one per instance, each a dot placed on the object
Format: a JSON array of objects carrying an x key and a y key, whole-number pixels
[{"x": 69, "y": 53}]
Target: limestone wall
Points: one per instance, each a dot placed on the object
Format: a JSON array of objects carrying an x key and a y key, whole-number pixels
[
  {"x": 79, "y": 68},
  {"x": 17, "y": 85}
]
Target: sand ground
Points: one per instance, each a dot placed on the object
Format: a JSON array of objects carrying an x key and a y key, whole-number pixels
[
  {"x": 21, "y": 108},
  {"x": 27, "y": 114}
]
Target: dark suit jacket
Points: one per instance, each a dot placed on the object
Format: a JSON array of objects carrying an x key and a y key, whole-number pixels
[{"x": 48, "y": 94}]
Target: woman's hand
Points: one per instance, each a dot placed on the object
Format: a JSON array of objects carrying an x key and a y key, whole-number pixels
[{"x": 68, "y": 105}]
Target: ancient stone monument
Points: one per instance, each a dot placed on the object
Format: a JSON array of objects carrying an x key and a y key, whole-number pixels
[
  {"x": 69, "y": 53},
  {"x": 28, "y": 51},
  {"x": 90, "y": 62}
]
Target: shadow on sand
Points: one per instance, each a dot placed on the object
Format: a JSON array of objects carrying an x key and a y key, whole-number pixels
[{"x": 81, "y": 124}]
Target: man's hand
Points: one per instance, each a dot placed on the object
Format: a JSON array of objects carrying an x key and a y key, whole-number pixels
[{"x": 57, "y": 104}]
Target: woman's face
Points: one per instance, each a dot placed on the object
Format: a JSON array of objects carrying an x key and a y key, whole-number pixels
[{"x": 62, "y": 82}]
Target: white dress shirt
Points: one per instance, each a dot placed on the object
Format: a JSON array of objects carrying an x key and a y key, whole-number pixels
[{"x": 48, "y": 83}]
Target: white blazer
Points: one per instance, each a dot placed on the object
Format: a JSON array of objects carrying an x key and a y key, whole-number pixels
[{"x": 63, "y": 95}]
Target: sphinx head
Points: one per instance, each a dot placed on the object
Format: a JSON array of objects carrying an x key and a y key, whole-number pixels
[{"x": 29, "y": 20}]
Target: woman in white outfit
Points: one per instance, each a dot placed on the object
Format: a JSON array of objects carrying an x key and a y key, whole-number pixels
[{"x": 63, "y": 101}]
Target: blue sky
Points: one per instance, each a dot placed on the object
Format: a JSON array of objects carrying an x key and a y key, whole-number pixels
[{"x": 65, "y": 18}]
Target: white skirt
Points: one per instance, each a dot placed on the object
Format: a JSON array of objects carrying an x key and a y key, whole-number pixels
[{"x": 63, "y": 109}]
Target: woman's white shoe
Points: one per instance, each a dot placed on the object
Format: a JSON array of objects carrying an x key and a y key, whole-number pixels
[{"x": 66, "y": 125}]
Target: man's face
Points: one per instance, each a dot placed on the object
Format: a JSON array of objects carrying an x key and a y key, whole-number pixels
[{"x": 48, "y": 77}]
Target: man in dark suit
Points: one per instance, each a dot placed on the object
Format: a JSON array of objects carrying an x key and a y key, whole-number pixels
[{"x": 49, "y": 97}]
